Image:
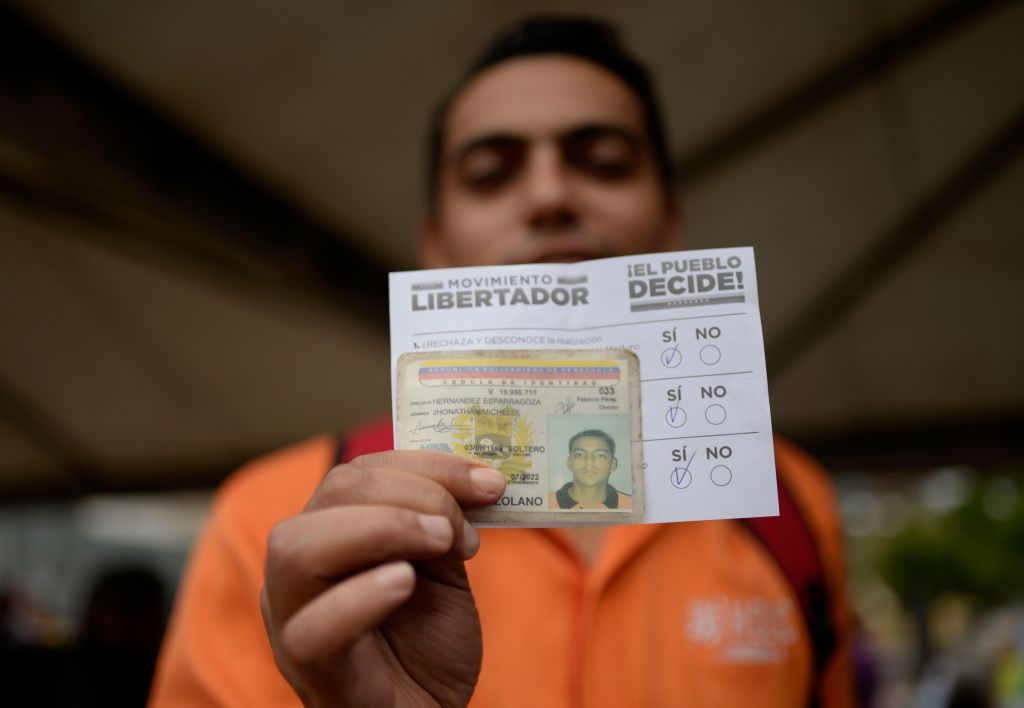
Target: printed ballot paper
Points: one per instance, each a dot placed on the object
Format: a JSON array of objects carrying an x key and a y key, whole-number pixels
[{"x": 619, "y": 390}]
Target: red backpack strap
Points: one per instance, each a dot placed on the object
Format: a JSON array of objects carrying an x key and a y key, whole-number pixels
[
  {"x": 789, "y": 540},
  {"x": 377, "y": 436}
]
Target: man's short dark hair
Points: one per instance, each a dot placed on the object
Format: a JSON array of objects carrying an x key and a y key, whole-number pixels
[
  {"x": 593, "y": 434},
  {"x": 588, "y": 39}
]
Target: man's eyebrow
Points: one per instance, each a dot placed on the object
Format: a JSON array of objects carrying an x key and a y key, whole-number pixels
[
  {"x": 583, "y": 131},
  {"x": 488, "y": 140},
  {"x": 598, "y": 130}
]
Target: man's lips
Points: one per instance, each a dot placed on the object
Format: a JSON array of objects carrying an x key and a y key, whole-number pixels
[
  {"x": 561, "y": 249},
  {"x": 568, "y": 257},
  {"x": 570, "y": 254}
]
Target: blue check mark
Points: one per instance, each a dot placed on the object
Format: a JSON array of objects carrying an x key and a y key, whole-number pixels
[
  {"x": 671, "y": 357},
  {"x": 681, "y": 477}
]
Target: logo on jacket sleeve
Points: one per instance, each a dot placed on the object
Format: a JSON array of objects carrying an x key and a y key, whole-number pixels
[{"x": 745, "y": 630}]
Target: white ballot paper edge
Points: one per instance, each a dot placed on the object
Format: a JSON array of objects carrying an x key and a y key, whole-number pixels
[{"x": 691, "y": 317}]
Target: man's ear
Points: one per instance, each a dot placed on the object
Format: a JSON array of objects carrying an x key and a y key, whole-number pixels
[{"x": 429, "y": 248}]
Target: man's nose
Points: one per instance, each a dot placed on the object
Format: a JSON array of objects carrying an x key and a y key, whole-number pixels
[{"x": 549, "y": 196}]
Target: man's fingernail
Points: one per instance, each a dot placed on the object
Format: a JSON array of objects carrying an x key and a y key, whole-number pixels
[
  {"x": 487, "y": 479},
  {"x": 395, "y": 576},
  {"x": 470, "y": 539},
  {"x": 437, "y": 526}
]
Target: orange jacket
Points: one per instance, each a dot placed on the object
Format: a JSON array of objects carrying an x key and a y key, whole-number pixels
[{"x": 678, "y": 614}]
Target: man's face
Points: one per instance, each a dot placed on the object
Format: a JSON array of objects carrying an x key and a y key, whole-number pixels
[
  {"x": 591, "y": 462},
  {"x": 546, "y": 160}
]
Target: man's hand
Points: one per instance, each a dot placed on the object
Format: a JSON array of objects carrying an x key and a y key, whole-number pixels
[{"x": 366, "y": 598}]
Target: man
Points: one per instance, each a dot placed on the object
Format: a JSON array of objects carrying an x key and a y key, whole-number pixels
[
  {"x": 591, "y": 461},
  {"x": 355, "y": 582}
]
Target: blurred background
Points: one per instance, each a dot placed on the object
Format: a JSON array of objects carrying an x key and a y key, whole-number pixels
[{"x": 199, "y": 203}]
